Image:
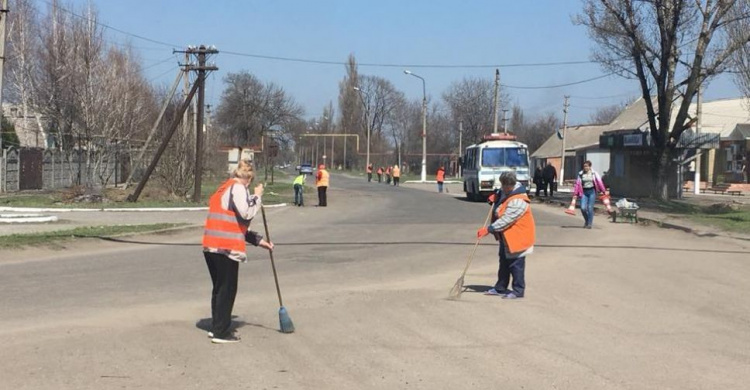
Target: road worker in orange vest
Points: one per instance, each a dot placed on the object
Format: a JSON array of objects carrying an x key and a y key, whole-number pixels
[
  {"x": 380, "y": 175},
  {"x": 321, "y": 181},
  {"x": 513, "y": 226},
  {"x": 396, "y": 175},
  {"x": 230, "y": 210},
  {"x": 388, "y": 175},
  {"x": 440, "y": 178},
  {"x": 369, "y": 173}
]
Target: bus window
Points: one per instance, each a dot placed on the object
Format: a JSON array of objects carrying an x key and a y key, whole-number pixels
[
  {"x": 516, "y": 157},
  {"x": 493, "y": 157},
  {"x": 504, "y": 157}
]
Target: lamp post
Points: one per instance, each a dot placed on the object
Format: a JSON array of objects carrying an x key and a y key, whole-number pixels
[
  {"x": 424, "y": 125},
  {"x": 367, "y": 123}
]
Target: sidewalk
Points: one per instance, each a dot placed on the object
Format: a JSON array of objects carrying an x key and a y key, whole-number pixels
[{"x": 661, "y": 219}]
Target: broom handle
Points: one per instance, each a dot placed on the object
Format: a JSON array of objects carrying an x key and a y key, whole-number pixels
[
  {"x": 471, "y": 256},
  {"x": 273, "y": 264}
]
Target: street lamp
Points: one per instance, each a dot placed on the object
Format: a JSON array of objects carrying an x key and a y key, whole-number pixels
[
  {"x": 424, "y": 125},
  {"x": 367, "y": 123}
]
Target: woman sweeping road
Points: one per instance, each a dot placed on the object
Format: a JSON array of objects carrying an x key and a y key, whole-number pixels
[{"x": 230, "y": 210}]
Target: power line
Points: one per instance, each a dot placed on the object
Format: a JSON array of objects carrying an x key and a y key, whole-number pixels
[
  {"x": 170, "y": 58},
  {"x": 559, "y": 85},
  {"x": 57, "y": 6},
  {"x": 393, "y": 65},
  {"x": 604, "y": 97},
  {"x": 328, "y": 62}
]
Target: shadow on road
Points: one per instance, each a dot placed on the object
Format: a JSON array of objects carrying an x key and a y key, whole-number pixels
[
  {"x": 390, "y": 243},
  {"x": 477, "y": 288},
  {"x": 205, "y": 324}
]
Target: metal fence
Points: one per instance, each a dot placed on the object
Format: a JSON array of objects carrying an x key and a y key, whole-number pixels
[{"x": 28, "y": 169}]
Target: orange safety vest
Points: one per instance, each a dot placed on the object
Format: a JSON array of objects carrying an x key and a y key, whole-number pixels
[
  {"x": 322, "y": 178},
  {"x": 440, "y": 175},
  {"x": 369, "y": 169},
  {"x": 396, "y": 172},
  {"x": 380, "y": 171},
  {"x": 223, "y": 230},
  {"x": 520, "y": 235}
]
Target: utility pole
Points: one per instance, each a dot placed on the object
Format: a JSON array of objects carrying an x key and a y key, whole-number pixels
[
  {"x": 505, "y": 121},
  {"x": 460, "y": 147},
  {"x": 497, "y": 101},
  {"x": 3, "y": 23},
  {"x": 202, "y": 52},
  {"x": 699, "y": 108},
  {"x": 562, "y": 151}
]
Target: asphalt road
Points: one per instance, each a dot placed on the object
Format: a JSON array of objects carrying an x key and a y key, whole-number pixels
[{"x": 365, "y": 281}]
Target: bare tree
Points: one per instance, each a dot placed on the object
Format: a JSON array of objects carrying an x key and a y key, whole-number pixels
[
  {"x": 472, "y": 101},
  {"x": 351, "y": 119},
  {"x": 741, "y": 58},
  {"x": 671, "y": 47},
  {"x": 606, "y": 114},
  {"x": 23, "y": 47}
]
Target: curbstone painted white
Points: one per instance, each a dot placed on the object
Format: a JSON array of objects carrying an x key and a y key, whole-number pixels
[
  {"x": 27, "y": 218},
  {"x": 155, "y": 209}
]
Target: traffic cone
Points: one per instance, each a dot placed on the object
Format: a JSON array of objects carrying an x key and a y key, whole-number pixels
[
  {"x": 571, "y": 210},
  {"x": 606, "y": 200}
]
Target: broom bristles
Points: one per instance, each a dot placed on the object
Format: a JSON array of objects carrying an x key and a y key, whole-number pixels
[
  {"x": 457, "y": 289},
  {"x": 285, "y": 322}
]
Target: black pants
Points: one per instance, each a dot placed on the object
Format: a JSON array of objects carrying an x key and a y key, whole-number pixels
[
  {"x": 298, "y": 199},
  {"x": 369, "y": 177},
  {"x": 322, "y": 199},
  {"x": 223, "y": 272},
  {"x": 538, "y": 185},
  {"x": 549, "y": 184},
  {"x": 380, "y": 177},
  {"x": 395, "y": 181},
  {"x": 511, "y": 267}
]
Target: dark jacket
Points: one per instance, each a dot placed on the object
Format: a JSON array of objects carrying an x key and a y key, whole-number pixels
[{"x": 549, "y": 173}]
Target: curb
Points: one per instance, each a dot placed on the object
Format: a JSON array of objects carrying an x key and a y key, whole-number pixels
[
  {"x": 154, "y": 209},
  {"x": 27, "y": 218},
  {"x": 643, "y": 220}
]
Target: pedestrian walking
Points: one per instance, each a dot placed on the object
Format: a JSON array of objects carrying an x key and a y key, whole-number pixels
[
  {"x": 230, "y": 210},
  {"x": 587, "y": 185},
  {"x": 440, "y": 178},
  {"x": 380, "y": 175},
  {"x": 514, "y": 228},
  {"x": 299, "y": 188},
  {"x": 549, "y": 174},
  {"x": 388, "y": 175},
  {"x": 539, "y": 181},
  {"x": 396, "y": 175},
  {"x": 321, "y": 181},
  {"x": 369, "y": 173}
]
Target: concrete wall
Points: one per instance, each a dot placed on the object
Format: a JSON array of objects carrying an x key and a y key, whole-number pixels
[{"x": 599, "y": 159}]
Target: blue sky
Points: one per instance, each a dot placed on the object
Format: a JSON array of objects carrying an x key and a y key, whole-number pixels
[{"x": 438, "y": 32}]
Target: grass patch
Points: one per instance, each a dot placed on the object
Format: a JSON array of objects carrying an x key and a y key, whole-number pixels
[
  {"x": 153, "y": 195},
  {"x": 735, "y": 221},
  {"x": 55, "y": 237}
]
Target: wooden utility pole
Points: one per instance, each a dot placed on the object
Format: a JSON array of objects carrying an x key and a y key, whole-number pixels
[
  {"x": 134, "y": 196},
  {"x": 497, "y": 100},
  {"x": 137, "y": 163},
  {"x": 562, "y": 151},
  {"x": 3, "y": 22},
  {"x": 201, "y": 53}
]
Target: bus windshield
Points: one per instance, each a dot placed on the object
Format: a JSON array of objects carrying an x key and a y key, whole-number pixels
[{"x": 504, "y": 157}]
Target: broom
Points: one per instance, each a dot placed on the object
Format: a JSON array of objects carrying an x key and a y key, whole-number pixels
[
  {"x": 458, "y": 288},
  {"x": 285, "y": 322}
]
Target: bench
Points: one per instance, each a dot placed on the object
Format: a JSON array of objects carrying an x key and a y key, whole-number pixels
[{"x": 723, "y": 189}]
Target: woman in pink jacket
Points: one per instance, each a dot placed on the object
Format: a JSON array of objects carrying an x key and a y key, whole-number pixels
[{"x": 586, "y": 187}]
